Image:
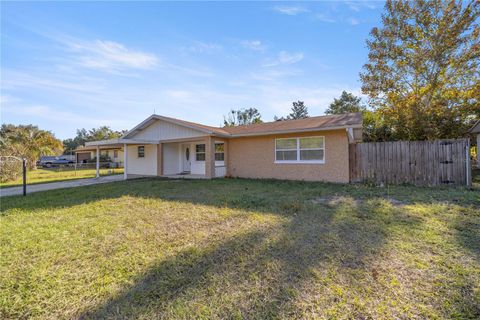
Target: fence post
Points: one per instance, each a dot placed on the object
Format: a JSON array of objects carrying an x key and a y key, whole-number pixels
[
  {"x": 468, "y": 173},
  {"x": 24, "y": 168}
]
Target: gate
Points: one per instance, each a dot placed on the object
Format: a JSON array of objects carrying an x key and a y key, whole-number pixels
[{"x": 422, "y": 163}]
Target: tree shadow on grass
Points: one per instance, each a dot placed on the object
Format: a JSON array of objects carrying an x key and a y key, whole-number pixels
[
  {"x": 155, "y": 291},
  {"x": 245, "y": 193},
  {"x": 347, "y": 234},
  {"x": 260, "y": 274},
  {"x": 467, "y": 230}
]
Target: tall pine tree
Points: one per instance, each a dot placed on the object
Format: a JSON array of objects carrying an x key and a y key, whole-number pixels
[
  {"x": 299, "y": 111},
  {"x": 345, "y": 104}
]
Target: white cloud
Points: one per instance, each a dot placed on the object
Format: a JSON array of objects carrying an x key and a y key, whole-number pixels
[
  {"x": 359, "y": 5},
  {"x": 273, "y": 74},
  {"x": 290, "y": 10},
  {"x": 278, "y": 99},
  {"x": 255, "y": 45},
  {"x": 324, "y": 18},
  {"x": 353, "y": 6},
  {"x": 52, "y": 81},
  {"x": 5, "y": 98},
  {"x": 353, "y": 21},
  {"x": 117, "y": 59},
  {"x": 110, "y": 56},
  {"x": 178, "y": 94},
  {"x": 56, "y": 115},
  {"x": 284, "y": 58},
  {"x": 202, "y": 96},
  {"x": 203, "y": 47}
]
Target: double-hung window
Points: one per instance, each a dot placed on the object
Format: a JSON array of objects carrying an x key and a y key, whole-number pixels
[
  {"x": 219, "y": 152},
  {"x": 300, "y": 150},
  {"x": 286, "y": 149},
  {"x": 200, "y": 152}
]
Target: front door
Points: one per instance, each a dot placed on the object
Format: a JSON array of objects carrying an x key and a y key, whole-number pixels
[{"x": 186, "y": 156}]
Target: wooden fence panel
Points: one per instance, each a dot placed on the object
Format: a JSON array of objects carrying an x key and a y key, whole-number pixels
[{"x": 422, "y": 163}]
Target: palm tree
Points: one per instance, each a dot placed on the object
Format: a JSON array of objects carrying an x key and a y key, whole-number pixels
[{"x": 28, "y": 141}]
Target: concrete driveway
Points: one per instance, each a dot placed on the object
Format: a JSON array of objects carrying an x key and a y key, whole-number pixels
[{"x": 13, "y": 191}]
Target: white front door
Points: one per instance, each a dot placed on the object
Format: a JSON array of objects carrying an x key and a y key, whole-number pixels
[{"x": 186, "y": 156}]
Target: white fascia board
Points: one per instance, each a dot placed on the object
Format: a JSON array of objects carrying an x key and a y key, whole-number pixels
[
  {"x": 184, "y": 124},
  {"x": 119, "y": 141},
  {"x": 138, "y": 127}
]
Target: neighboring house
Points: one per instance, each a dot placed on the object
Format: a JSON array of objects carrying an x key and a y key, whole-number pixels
[
  {"x": 86, "y": 154},
  {"x": 315, "y": 148}
]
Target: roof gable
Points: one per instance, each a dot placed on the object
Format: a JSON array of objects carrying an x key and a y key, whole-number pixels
[
  {"x": 159, "y": 129},
  {"x": 184, "y": 129}
]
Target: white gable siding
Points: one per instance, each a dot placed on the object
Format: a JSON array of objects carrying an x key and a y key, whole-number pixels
[{"x": 162, "y": 130}]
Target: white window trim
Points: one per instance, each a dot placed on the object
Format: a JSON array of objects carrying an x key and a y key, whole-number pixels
[
  {"x": 298, "y": 161},
  {"x": 223, "y": 152},
  {"x": 197, "y": 153}
]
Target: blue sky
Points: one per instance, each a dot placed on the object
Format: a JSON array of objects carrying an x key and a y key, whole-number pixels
[{"x": 72, "y": 65}]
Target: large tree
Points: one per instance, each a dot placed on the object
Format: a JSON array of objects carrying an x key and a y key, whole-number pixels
[
  {"x": 95, "y": 134},
  {"x": 242, "y": 117},
  {"x": 422, "y": 74},
  {"x": 346, "y": 103},
  {"x": 28, "y": 141}
]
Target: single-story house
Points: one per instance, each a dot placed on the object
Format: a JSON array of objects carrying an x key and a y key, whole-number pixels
[
  {"x": 315, "y": 148},
  {"x": 85, "y": 154}
]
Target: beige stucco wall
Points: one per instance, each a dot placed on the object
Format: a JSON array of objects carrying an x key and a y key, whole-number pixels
[{"x": 254, "y": 157}]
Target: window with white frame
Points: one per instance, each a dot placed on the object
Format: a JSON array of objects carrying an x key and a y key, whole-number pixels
[
  {"x": 200, "y": 152},
  {"x": 300, "y": 150},
  {"x": 219, "y": 151}
]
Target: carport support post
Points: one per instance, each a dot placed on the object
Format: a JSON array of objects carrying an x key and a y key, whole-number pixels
[
  {"x": 125, "y": 159},
  {"x": 98, "y": 162}
]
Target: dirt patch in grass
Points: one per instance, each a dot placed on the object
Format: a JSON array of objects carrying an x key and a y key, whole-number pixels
[{"x": 336, "y": 200}]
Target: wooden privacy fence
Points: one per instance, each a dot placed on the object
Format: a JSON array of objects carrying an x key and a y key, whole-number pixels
[{"x": 422, "y": 163}]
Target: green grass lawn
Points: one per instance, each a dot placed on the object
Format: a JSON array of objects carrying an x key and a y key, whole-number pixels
[
  {"x": 240, "y": 249},
  {"x": 58, "y": 174}
]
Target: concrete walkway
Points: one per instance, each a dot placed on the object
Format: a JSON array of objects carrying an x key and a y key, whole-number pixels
[{"x": 12, "y": 191}]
